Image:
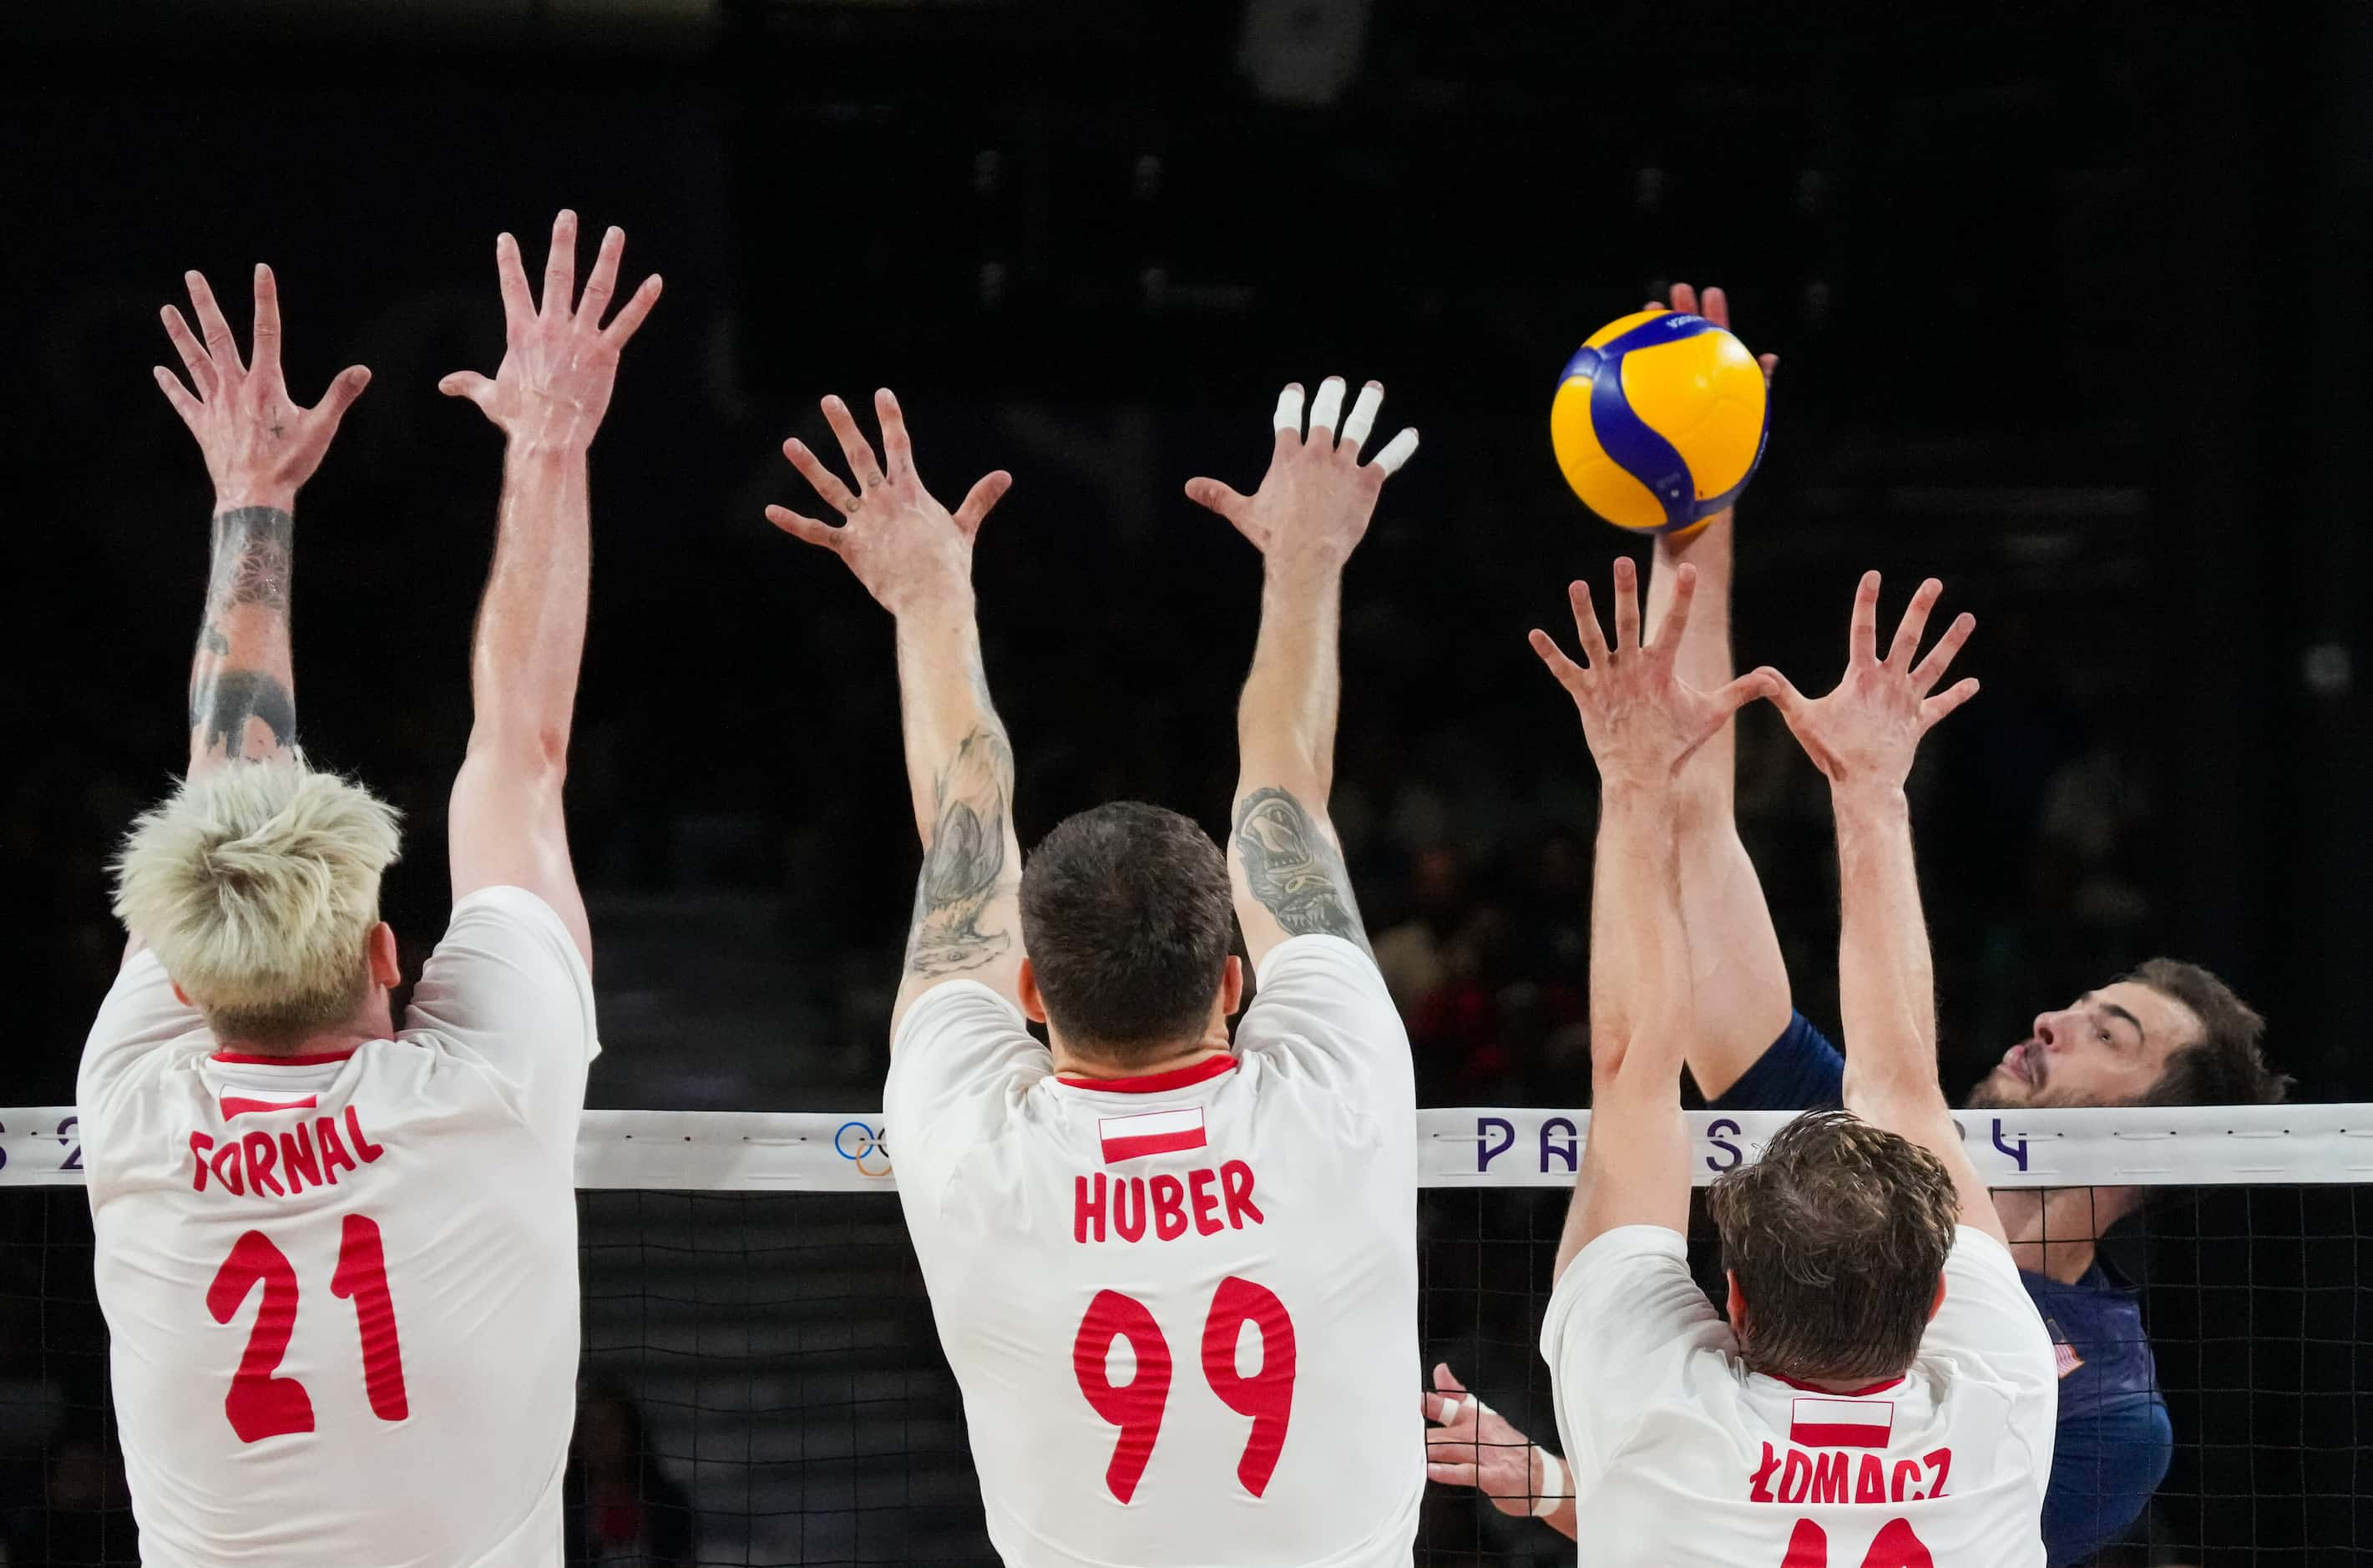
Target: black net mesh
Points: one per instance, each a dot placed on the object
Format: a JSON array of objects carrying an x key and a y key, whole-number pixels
[{"x": 763, "y": 1383}]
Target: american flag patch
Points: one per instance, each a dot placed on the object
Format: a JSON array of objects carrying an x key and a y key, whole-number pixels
[
  {"x": 2064, "y": 1357},
  {"x": 1842, "y": 1423},
  {"x": 238, "y": 1104},
  {"x": 1151, "y": 1132}
]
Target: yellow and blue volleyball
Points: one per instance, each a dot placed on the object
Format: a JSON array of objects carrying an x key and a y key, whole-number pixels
[{"x": 1659, "y": 421}]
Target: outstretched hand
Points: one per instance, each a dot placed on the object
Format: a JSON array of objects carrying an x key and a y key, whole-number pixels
[
  {"x": 904, "y": 546},
  {"x": 1642, "y": 719},
  {"x": 1714, "y": 306},
  {"x": 259, "y": 446},
  {"x": 1868, "y": 728},
  {"x": 1314, "y": 504},
  {"x": 559, "y": 362}
]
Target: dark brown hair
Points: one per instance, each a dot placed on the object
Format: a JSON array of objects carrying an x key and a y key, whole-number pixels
[
  {"x": 2227, "y": 1065},
  {"x": 1838, "y": 1237},
  {"x": 1127, "y": 918}
]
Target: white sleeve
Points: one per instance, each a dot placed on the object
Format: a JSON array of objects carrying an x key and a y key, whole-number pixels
[
  {"x": 140, "y": 1015},
  {"x": 1620, "y": 1326},
  {"x": 1989, "y": 1323},
  {"x": 507, "y": 989},
  {"x": 1320, "y": 1009},
  {"x": 959, "y": 1064}
]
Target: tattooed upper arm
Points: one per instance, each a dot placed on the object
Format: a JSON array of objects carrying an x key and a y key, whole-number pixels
[
  {"x": 1293, "y": 870},
  {"x": 963, "y": 902}
]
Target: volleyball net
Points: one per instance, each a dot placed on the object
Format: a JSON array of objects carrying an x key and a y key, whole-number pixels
[{"x": 762, "y": 1382}]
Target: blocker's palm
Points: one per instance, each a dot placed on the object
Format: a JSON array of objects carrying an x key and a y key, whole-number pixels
[
  {"x": 1869, "y": 728},
  {"x": 1642, "y": 719},
  {"x": 1314, "y": 504},
  {"x": 559, "y": 363},
  {"x": 904, "y": 546},
  {"x": 260, "y": 447}
]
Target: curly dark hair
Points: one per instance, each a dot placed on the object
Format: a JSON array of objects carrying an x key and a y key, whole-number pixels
[{"x": 2227, "y": 1065}]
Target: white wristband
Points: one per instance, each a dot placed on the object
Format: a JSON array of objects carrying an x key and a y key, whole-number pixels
[{"x": 1553, "y": 1485}]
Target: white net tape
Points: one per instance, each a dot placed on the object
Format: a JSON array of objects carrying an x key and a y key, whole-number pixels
[{"x": 739, "y": 1151}]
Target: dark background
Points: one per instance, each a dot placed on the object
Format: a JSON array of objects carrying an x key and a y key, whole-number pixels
[{"x": 2069, "y": 300}]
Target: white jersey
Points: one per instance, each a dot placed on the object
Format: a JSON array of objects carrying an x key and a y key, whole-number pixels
[
  {"x": 1682, "y": 1456},
  {"x": 1182, "y": 1308},
  {"x": 342, "y": 1290}
]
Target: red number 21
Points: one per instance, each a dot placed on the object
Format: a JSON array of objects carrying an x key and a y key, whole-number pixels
[
  {"x": 261, "y": 1404},
  {"x": 1136, "y": 1407}
]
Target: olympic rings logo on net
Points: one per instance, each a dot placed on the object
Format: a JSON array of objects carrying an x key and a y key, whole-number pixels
[{"x": 860, "y": 1144}]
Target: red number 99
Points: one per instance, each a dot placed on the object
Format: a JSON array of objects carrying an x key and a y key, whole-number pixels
[{"x": 1136, "y": 1407}]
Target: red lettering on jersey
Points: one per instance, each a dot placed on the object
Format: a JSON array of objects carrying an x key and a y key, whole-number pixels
[
  {"x": 225, "y": 1167},
  {"x": 1906, "y": 1470},
  {"x": 1830, "y": 1478},
  {"x": 333, "y": 1152},
  {"x": 199, "y": 1144},
  {"x": 1085, "y": 1209},
  {"x": 1808, "y": 1545},
  {"x": 1941, "y": 1461},
  {"x": 1796, "y": 1477},
  {"x": 1870, "y": 1481},
  {"x": 1206, "y": 1202},
  {"x": 261, "y": 1157},
  {"x": 1129, "y": 1209},
  {"x": 1169, "y": 1207},
  {"x": 363, "y": 1146},
  {"x": 1897, "y": 1546},
  {"x": 1760, "y": 1481},
  {"x": 1236, "y": 1186},
  {"x": 296, "y": 1160}
]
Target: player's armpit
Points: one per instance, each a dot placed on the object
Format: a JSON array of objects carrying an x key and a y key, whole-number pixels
[
  {"x": 1288, "y": 873},
  {"x": 506, "y": 828}
]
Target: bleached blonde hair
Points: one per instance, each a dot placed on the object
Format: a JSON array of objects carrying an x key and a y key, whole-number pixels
[{"x": 257, "y": 884}]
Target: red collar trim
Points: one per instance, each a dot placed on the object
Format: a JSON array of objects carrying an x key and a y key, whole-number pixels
[
  {"x": 1863, "y": 1393},
  {"x": 1154, "y": 1083},
  {"x": 319, "y": 1058}
]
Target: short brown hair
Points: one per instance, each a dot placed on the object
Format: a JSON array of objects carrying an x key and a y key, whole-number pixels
[
  {"x": 1127, "y": 918},
  {"x": 2227, "y": 1065},
  {"x": 1838, "y": 1237}
]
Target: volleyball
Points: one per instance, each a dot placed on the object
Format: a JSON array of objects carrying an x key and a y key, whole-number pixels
[{"x": 1659, "y": 421}]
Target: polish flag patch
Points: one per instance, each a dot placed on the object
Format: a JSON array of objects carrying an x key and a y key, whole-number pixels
[
  {"x": 1151, "y": 1132},
  {"x": 238, "y": 1104},
  {"x": 1842, "y": 1423}
]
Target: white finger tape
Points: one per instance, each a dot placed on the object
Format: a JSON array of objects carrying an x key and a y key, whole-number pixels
[
  {"x": 1397, "y": 451},
  {"x": 1363, "y": 416},
  {"x": 1328, "y": 407},
  {"x": 1553, "y": 1485},
  {"x": 1289, "y": 409},
  {"x": 1450, "y": 1408}
]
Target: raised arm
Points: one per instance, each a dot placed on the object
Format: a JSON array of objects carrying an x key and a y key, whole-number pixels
[
  {"x": 260, "y": 448},
  {"x": 1642, "y": 722},
  {"x": 548, "y": 396},
  {"x": 1864, "y": 736},
  {"x": 1742, "y": 983},
  {"x": 916, "y": 559},
  {"x": 1309, "y": 514}
]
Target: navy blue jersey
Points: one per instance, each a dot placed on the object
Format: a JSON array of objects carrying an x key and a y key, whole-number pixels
[{"x": 2114, "y": 1437}]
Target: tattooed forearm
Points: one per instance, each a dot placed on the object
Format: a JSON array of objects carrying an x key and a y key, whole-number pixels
[
  {"x": 1295, "y": 868},
  {"x": 238, "y": 673},
  {"x": 252, "y": 546},
  {"x": 964, "y": 862},
  {"x": 223, "y": 701}
]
